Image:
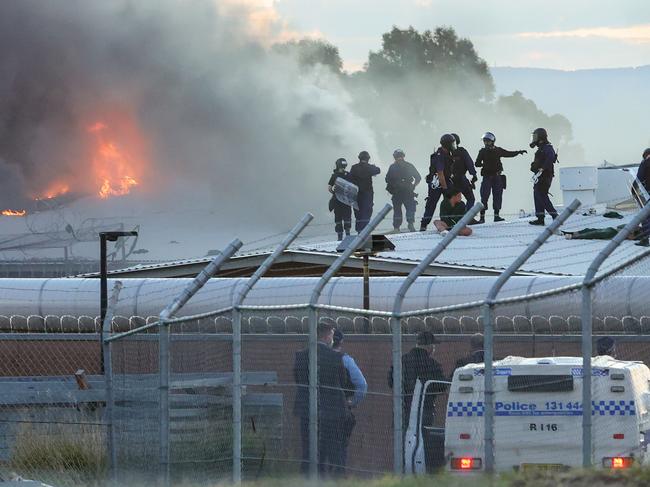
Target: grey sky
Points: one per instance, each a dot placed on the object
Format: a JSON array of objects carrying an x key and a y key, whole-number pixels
[{"x": 564, "y": 34}]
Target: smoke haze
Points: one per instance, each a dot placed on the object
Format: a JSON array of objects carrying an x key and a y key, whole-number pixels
[
  {"x": 217, "y": 119},
  {"x": 227, "y": 123}
]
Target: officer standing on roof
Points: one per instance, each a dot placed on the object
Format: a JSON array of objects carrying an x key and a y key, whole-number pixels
[
  {"x": 489, "y": 160},
  {"x": 439, "y": 177},
  {"x": 463, "y": 164},
  {"x": 643, "y": 177},
  {"x": 342, "y": 212},
  {"x": 542, "y": 166},
  {"x": 401, "y": 180},
  {"x": 361, "y": 174}
]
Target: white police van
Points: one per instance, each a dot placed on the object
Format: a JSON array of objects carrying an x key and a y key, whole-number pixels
[{"x": 538, "y": 415}]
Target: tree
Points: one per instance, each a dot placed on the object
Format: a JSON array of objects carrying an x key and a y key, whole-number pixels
[
  {"x": 310, "y": 52},
  {"x": 441, "y": 56}
]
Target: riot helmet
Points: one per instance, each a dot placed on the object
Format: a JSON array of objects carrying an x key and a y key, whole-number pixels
[
  {"x": 538, "y": 137},
  {"x": 489, "y": 139},
  {"x": 364, "y": 156},
  {"x": 399, "y": 154},
  {"x": 341, "y": 164},
  {"x": 448, "y": 142},
  {"x": 646, "y": 153},
  {"x": 455, "y": 136}
]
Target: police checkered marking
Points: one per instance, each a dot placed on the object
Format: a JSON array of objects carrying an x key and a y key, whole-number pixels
[
  {"x": 613, "y": 408},
  {"x": 462, "y": 409}
]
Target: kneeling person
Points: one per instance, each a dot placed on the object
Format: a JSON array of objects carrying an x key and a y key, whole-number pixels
[{"x": 452, "y": 210}]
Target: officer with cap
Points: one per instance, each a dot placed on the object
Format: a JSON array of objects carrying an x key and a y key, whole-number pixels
[
  {"x": 401, "y": 179},
  {"x": 342, "y": 212},
  {"x": 643, "y": 178},
  {"x": 361, "y": 174},
  {"x": 606, "y": 346},
  {"x": 543, "y": 169},
  {"x": 439, "y": 177},
  {"x": 489, "y": 160},
  {"x": 419, "y": 364},
  {"x": 463, "y": 164}
]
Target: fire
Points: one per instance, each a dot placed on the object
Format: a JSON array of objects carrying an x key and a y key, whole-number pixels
[
  {"x": 13, "y": 212},
  {"x": 115, "y": 169},
  {"x": 55, "y": 189}
]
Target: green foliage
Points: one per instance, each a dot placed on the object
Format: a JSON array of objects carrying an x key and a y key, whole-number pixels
[{"x": 310, "y": 52}]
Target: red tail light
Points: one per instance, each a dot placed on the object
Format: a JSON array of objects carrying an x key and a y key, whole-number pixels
[
  {"x": 466, "y": 463},
  {"x": 465, "y": 436},
  {"x": 618, "y": 462},
  {"x": 619, "y": 436}
]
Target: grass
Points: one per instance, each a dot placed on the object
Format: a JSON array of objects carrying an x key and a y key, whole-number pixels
[{"x": 63, "y": 454}]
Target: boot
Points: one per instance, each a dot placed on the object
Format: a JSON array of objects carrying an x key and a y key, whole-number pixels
[
  {"x": 644, "y": 242},
  {"x": 480, "y": 220},
  {"x": 395, "y": 230},
  {"x": 539, "y": 221},
  {"x": 347, "y": 232},
  {"x": 411, "y": 227},
  {"x": 497, "y": 218},
  {"x": 423, "y": 228},
  {"x": 340, "y": 236}
]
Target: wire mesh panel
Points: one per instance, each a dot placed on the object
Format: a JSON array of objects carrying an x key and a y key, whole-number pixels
[
  {"x": 52, "y": 405},
  {"x": 274, "y": 393}
]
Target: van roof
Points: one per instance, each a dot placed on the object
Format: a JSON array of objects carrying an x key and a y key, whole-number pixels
[{"x": 600, "y": 361}]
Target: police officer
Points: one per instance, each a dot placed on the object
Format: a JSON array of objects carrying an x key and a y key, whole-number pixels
[
  {"x": 342, "y": 212},
  {"x": 489, "y": 160},
  {"x": 361, "y": 174},
  {"x": 643, "y": 177},
  {"x": 606, "y": 346},
  {"x": 401, "y": 179},
  {"x": 542, "y": 167},
  {"x": 419, "y": 364},
  {"x": 463, "y": 164},
  {"x": 439, "y": 177}
]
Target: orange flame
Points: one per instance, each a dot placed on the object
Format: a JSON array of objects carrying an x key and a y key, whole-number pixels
[
  {"x": 13, "y": 212},
  {"x": 55, "y": 189},
  {"x": 115, "y": 169}
]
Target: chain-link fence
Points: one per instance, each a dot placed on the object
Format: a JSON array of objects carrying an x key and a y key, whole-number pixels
[{"x": 487, "y": 376}]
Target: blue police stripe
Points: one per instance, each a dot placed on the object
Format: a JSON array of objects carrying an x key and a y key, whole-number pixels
[{"x": 600, "y": 408}]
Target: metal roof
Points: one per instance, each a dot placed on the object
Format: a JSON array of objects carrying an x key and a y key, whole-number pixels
[
  {"x": 491, "y": 248},
  {"x": 496, "y": 245}
]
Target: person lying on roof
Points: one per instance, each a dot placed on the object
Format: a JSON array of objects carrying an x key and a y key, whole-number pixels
[{"x": 606, "y": 233}]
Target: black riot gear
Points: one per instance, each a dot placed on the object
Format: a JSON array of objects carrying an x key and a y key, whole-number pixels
[
  {"x": 448, "y": 141},
  {"x": 538, "y": 137}
]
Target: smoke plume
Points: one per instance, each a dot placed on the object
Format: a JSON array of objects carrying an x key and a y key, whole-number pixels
[{"x": 223, "y": 122}]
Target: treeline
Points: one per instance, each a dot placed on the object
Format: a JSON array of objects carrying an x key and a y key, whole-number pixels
[{"x": 422, "y": 84}]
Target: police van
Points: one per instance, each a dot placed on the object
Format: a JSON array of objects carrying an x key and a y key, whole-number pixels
[{"x": 538, "y": 415}]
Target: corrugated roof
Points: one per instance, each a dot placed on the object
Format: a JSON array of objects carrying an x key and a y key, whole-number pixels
[{"x": 496, "y": 245}]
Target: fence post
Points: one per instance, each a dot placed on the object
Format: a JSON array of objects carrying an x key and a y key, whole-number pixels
[
  {"x": 236, "y": 342},
  {"x": 313, "y": 339},
  {"x": 108, "y": 379},
  {"x": 398, "y": 445},
  {"x": 163, "y": 347},
  {"x": 587, "y": 284},
  {"x": 488, "y": 325}
]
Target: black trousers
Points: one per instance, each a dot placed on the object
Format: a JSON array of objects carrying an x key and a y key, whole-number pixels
[
  {"x": 430, "y": 207},
  {"x": 342, "y": 217},
  {"x": 331, "y": 445},
  {"x": 542, "y": 201}
]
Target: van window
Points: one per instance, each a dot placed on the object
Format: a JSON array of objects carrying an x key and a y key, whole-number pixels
[{"x": 540, "y": 383}]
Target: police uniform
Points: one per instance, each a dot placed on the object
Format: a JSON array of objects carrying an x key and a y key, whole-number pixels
[
  {"x": 489, "y": 160},
  {"x": 361, "y": 174},
  {"x": 440, "y": 161},
  {"x": 545, "y": 158},
  {"x": 463, "y": 164},
  {"x": 342, "y": 212},
  {"x": 643, "y": 175},
  {"x": 401, "y": 179}
]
